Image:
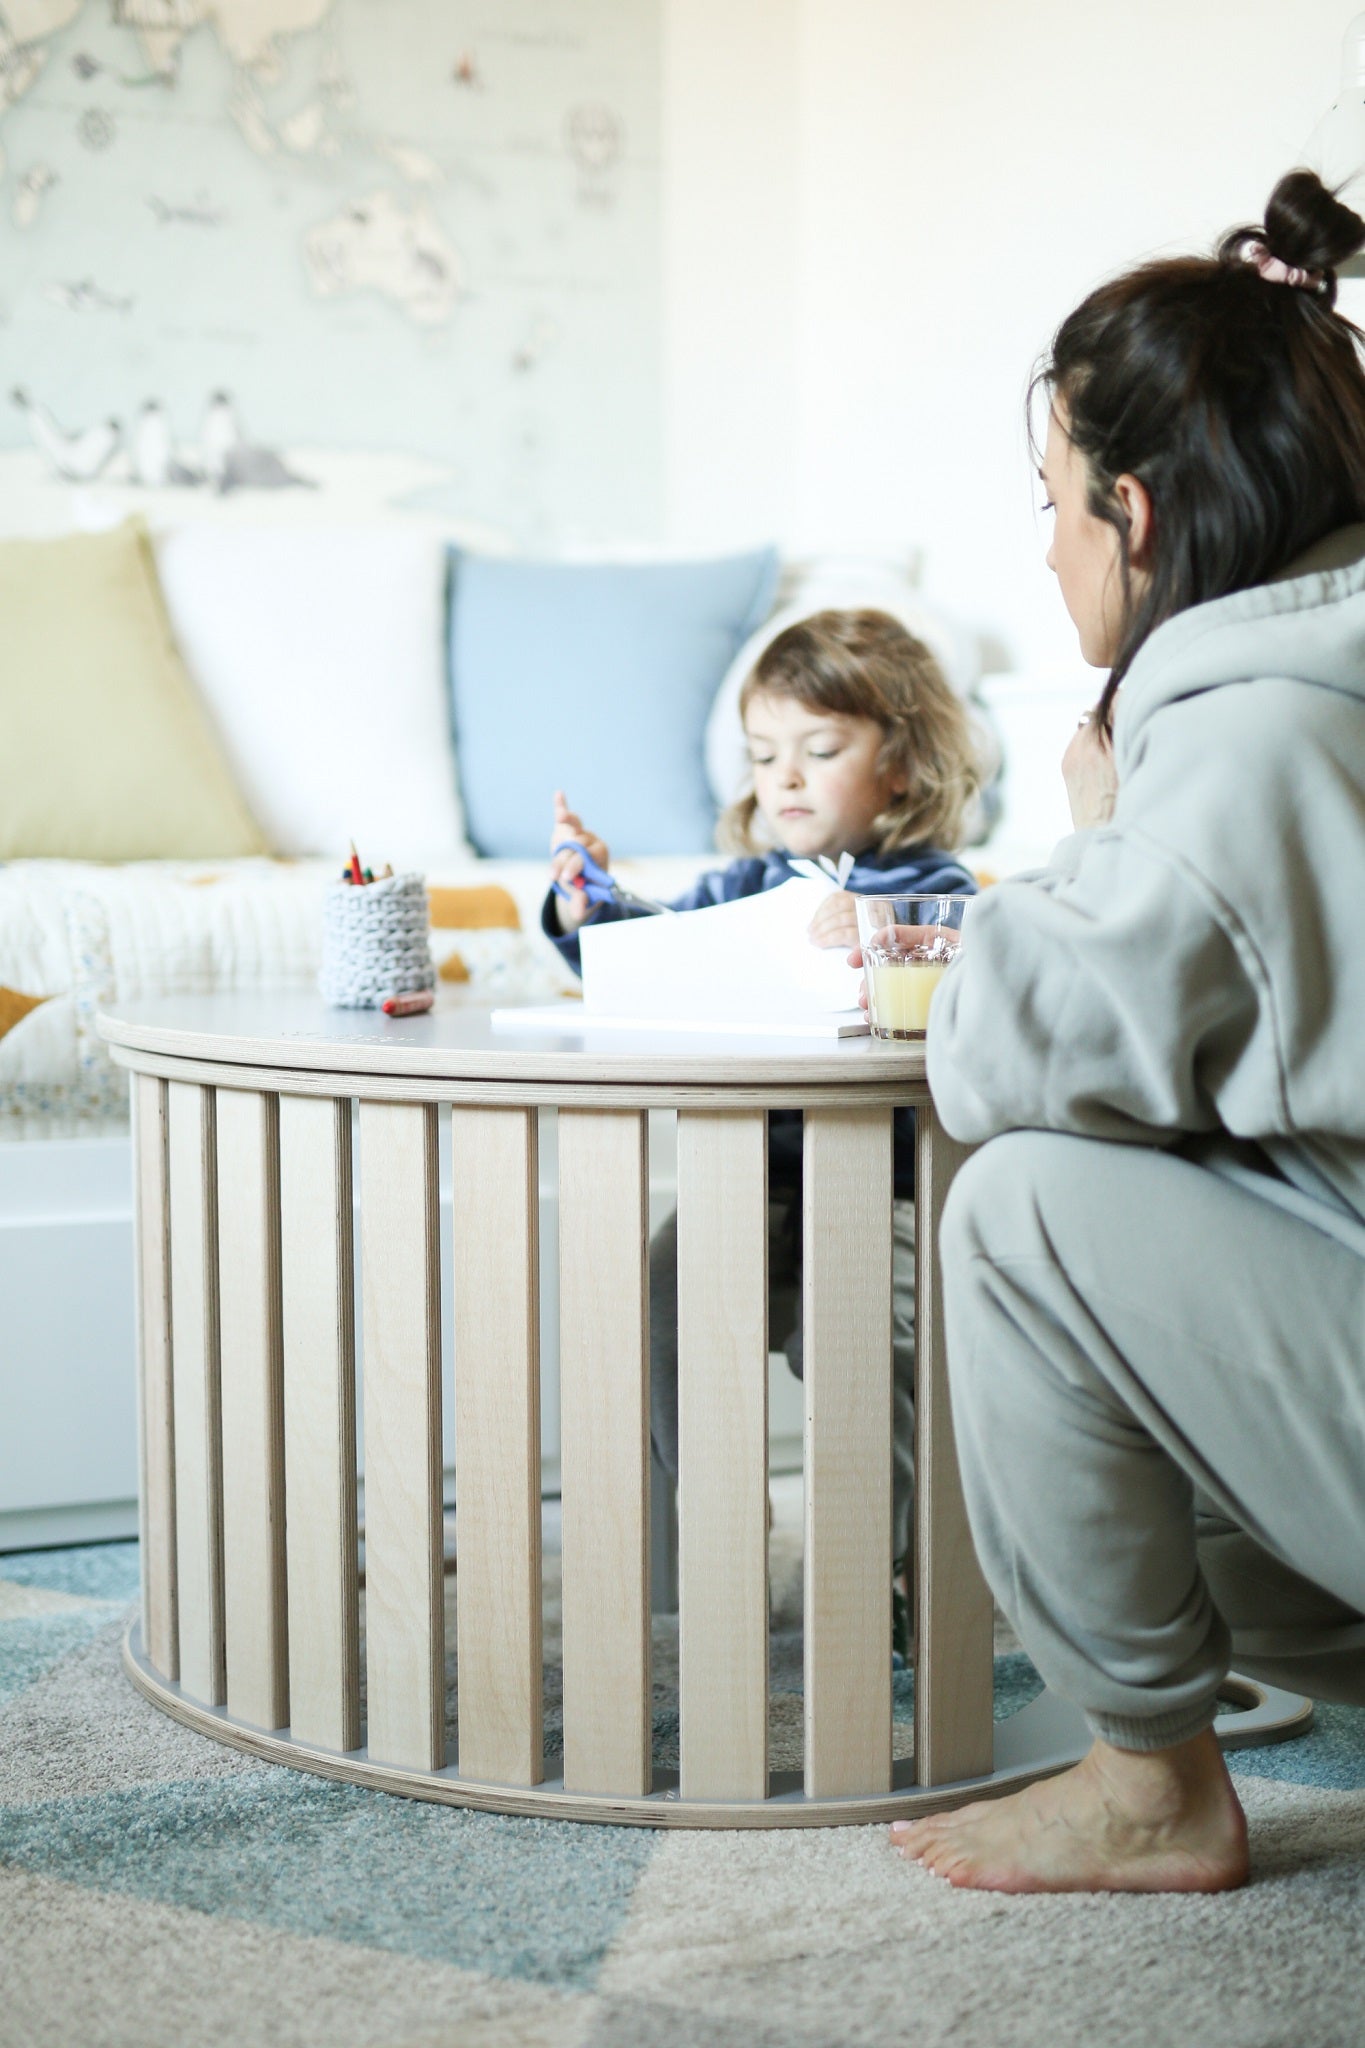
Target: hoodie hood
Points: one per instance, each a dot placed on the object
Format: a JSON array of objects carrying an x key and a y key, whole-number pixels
[{"x": 1306, "y": 626}]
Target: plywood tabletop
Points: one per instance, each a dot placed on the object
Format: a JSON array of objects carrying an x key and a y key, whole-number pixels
[{"x": 457, "y": 1041}]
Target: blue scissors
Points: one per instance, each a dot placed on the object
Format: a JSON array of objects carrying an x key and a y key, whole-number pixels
[{"x": 600, "y": 887}]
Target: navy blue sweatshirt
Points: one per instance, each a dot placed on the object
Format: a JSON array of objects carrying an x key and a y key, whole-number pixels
[{"x": 908, "y": 871}]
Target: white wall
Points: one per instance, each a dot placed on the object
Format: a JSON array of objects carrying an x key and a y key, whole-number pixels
[
  {"x": 876, "y": 211},
  {"x": 731, "y": 144}
]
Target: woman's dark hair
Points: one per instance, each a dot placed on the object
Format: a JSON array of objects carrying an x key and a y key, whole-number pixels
[{"x": 1238, "y": 401}]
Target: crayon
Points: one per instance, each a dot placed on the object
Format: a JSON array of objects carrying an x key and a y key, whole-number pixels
[
  {"x": 356, "y": 875},
  {"x": 408, "y": 1005}
]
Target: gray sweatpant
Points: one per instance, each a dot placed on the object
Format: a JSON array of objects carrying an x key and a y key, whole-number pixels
[
  {"x": 784, "y": 1319},
  {"x": 1158, "y": 1386}
]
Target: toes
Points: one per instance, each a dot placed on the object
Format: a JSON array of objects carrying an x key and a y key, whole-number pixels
[
  {"x": 928, "y": 1824},
  {"x": 909, "y": 1836},
  {"x": 947, "y": 1846},
  {"x": 956, "y": 1863},
  {"x": 935, "y": 1861},
  {"x": 919, "y": 1842}
]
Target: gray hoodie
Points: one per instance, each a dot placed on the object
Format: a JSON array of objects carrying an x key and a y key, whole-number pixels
[{"x": 1197, "y": 965}]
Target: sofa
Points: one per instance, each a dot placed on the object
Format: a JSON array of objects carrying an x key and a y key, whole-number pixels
[{"x": 202, "y": 720}]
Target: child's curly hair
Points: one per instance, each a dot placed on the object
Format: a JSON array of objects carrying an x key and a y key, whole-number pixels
[{"x": 865, "y": 664}]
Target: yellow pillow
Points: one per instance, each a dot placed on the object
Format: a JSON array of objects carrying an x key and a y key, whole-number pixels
[
  {"x": 486, "y": 908},
  {"x": 105, "y": 751}
]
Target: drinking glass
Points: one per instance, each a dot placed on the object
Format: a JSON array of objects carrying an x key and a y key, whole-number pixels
[{"x": 909, "y": 943}]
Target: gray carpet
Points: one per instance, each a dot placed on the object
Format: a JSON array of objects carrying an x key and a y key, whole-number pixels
[{"x": 157, "y": 1888}]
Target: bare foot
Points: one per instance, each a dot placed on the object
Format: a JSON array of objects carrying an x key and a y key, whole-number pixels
[{"x": 1121, "y": 1820}]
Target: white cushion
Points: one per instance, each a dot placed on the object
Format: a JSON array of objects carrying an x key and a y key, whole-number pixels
[
  {"x": 1035, "y": 714},
  {"x": 320, "y": 654}
]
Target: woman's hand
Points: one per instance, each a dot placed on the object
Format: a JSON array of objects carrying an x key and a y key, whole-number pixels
[
  {"x": 1088, "y": 771},
  {"x": 835, "y": 923},
  {"x": 572, "y": 910},
  {"x": 855, "y": 959},
  {"x": 931, "y": 942}
]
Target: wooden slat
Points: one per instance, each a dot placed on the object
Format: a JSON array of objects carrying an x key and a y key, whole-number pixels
[
  {"x": 317, "y": 1287},
  {"x": 253, "y": 1407},
  {"x": 497, "y": 1445},
  {"x": 723, "y": 1453},
  {"x": 198, "y": 1440},
  {"x": 846, "y": 1281},
  {"x": 401, "y": 1303},
  {"x": 156, "y": 1414},
  {"x": 954, "y": 1730},
  {"x": 604, "y": 1449}
]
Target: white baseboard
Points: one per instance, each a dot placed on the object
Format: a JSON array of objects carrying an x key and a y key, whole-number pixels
[{"x": 106, "y": 1521}]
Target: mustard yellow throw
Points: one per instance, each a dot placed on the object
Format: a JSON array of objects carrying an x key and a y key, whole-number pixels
[
  {"x": 14, "y": 1007},
  {"x": 488, "y": 907},
  {"x": 106, "y": 752}
]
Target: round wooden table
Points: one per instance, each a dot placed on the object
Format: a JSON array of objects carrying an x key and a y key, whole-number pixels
[{"x": 243, "y": 1114}]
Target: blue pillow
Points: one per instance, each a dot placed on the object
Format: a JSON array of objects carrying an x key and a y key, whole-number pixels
[{"x": 595, "y": 679}]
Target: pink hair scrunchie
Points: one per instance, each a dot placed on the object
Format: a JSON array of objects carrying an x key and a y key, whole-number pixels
[{"x": 1276, "y": 272}]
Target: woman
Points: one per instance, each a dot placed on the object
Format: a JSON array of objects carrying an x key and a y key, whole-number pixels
[{"x": 1155, "y": 1264}]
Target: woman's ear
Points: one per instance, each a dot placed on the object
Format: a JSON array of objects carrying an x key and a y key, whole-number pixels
[{"x": 1136, "y": 501}]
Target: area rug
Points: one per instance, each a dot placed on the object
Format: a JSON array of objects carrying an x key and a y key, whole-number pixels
[{"x": 156, "y": 1888}]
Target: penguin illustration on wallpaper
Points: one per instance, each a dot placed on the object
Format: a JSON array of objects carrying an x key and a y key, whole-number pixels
[
  {"x": 232, "y": 463},
  {"x": 153, "y": 452},
  {"x": 79, "y": 457}
]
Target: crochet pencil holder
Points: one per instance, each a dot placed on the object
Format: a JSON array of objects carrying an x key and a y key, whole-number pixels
[{"x": 375, "y": 942}]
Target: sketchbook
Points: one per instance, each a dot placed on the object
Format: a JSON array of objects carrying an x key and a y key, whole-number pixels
[{"x": 746, "y": 967}]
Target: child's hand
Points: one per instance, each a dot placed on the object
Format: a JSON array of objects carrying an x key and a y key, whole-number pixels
[
  {"x": 835, "y": 923},
  {"x": 573, "y": 910}
]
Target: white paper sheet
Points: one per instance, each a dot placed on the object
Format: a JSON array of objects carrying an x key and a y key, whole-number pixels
[
  {"x": 578, "y": 1018},
  {"x": 745, "y": 966},
  {"x": 752, "y": 957}
]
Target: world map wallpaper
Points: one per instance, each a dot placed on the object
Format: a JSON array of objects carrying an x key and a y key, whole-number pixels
[{"x": 360, "y": 255}]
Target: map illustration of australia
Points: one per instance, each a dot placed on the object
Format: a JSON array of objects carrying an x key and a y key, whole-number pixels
[{"x": 400, "y": 251}]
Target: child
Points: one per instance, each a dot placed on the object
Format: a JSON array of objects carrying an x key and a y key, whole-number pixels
[{"x": 857, "y": 744}]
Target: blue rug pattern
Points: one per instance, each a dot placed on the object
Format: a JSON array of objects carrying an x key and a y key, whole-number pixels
[
  {"x": 526, "y": 1901},
  {"x": 91, "y": 1571},
  {"x": 533, "y": 1900}
]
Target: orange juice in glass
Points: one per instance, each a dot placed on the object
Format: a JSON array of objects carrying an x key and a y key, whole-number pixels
[{"x": 908, "y": 944}]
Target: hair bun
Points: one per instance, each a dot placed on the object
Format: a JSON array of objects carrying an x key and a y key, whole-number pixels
[{"x": 1307, "y": 226}]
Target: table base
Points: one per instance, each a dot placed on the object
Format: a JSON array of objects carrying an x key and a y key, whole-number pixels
[{"x": 1043, "y": 1738}]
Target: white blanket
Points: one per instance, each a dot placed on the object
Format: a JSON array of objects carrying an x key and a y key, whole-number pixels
[{"x": 83, "y": 937}]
